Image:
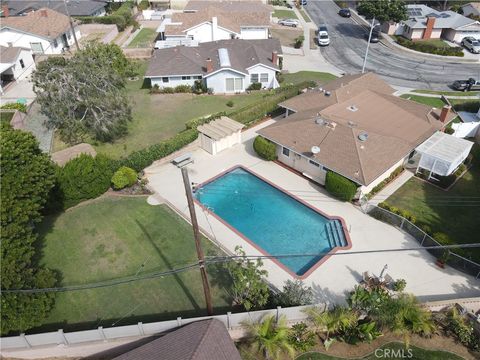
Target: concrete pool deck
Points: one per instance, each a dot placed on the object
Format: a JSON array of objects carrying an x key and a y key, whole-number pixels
[{"x": 340, "y": 273}]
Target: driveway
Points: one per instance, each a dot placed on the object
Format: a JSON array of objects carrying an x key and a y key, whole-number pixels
[
  {"x": 347, "y": 50},
  {"x": 22, "y": 89},
  {"x": 340, "y": 273}
]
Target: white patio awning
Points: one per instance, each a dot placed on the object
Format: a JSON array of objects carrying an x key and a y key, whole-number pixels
[{"x": 442, "y": 153}]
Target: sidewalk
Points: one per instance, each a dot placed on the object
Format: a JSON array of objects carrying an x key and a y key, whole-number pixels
[{"x": 391, "y": 188}]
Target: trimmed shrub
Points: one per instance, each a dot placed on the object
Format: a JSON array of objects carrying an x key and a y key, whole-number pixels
[
  {"x": 255, "y": 86},
  {"x": 340, "y": 187},
  {"x": 143, "y": 5},
  {"x": 399, "y": 285},
  {"x": 122, "y": 17},
  {"x": 193, "y": 124},
  {"x": 15, "y": 106},
  {"x": 183, "y": 89},
  {"x": 299, "y": 42},
  {"x": 229, "y": 103},
  {"x": 430, "y": 48},
  {"x": 124, "y": 177},
  {"x": 199, "y": 87},
  {"x": 265, "y": 148}
]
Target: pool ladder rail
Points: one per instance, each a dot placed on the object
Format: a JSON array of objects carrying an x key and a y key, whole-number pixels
[{"x": 335, "y": 234}]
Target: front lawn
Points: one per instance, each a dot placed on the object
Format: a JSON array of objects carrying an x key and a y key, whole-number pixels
[
  {"x": 448, "y": 93},
  {"x": 430, "y": 101},
  {"x": 286, "y": 35},
  {"x": 301, "y": 76},
  {"x": 284, "y": 14},
  {"x": 115, "y": 237},
  {"x": 144, "y": 38},
  {"x": 305, "y": 16}
]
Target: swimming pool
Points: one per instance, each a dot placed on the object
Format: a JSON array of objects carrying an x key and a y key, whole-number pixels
[{"x": 273, "y": 221}]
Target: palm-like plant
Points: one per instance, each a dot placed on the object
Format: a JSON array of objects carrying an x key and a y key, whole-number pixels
[
  {"x": 336, "y": 320},
  {"x": 271, "y": 337}
]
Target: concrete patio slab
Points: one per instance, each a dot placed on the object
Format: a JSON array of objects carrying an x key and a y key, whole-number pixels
[{"x": 341, "y": 272}]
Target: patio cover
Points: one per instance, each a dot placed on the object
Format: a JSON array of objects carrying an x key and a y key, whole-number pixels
[{"x": 441, "y": 154}]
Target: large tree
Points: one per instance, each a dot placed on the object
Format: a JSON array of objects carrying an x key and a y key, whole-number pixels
[
  {"x": 84, "y": 96},
  {"x": 383, "y": 10},
  {"x": 27, "y": 177}
]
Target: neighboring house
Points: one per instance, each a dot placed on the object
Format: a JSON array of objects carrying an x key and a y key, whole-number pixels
[
  {"x": 204, "y": 22},
  {"x": 16, "y": 63},
  {"x": 426, "y": 23},
  {"x": 472, "y": 8},
  {"x": 225, "y": 66},
  {"x": 355, "y": 127},
  {"x": 45, "y": 31},
  {"x": 183, "y": 4},
  {"x": 74, "y": 7},
  {"x": 200, "y": 340}
]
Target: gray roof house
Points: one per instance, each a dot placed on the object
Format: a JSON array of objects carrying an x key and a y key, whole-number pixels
[
  {"x": 472, "y": 8},
  {"x": 226, "y": 66},
  {"x": 75, "y": 7},
  {"x": 426, "y": 23}
]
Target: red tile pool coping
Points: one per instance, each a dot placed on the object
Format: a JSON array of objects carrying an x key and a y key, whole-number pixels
[{"x": 252, "y": 243}]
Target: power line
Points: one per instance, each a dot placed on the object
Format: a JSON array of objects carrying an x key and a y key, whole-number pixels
[{"x": 210, "y": 260}]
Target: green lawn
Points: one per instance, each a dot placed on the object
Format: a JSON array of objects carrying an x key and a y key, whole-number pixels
[
  {"x": 400, "y": 351},
  {"x": 6, "y": 117},
  {"x": 430, "y": 101},
  {"x": 117, "y": 237},
  {"x": 448, "y": 93},
  {"x": 301, "y": 76},
  {"x": 284, "y": 14},
  {"x": 144, "y": 38},
  {"x": 305, "y": 16},
  {"x": 450, "y": 212}
]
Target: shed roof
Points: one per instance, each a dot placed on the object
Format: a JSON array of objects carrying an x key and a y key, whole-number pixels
[
  {"x": 445, "y": 147},
  {"x": 9, "y": 54},
  {"x": 219, "y": 128}
]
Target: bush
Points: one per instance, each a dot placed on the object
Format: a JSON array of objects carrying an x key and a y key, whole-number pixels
[
  {"x": 183, "y": 89},
  {"x": 463, "y": 330},
  {"x": 301, "y": 338},
  {"x": 385, "y": 182},
  {"x": 143, "y": 5},
  {"x": 299, "y": 42},
  {"x": 82, "y": 178},
  {"x": 124, "y": 177},
  {"x": 340, "y": 186},
  {"x": 229, "y": 103},
  {"x": 442, "y": 238},
  {"x": 193, "y": 124},
  {"x": 155, "y": 89},
  {"x": 294, "y": 293},
  {"x": 199, "y": 87},
  {"x": 122, "y": 17},
  {"x": 255, "y": 86},
  {"x": 399, "y": 285},
  {"x": 469, "y": 106},
  {"x": 265, "y": 148},
  {"x": 430, "y": 48},
  {"x": 15, "y": 106}
]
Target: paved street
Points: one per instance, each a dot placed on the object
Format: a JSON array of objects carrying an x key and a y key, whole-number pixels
[{"x": 347, "y": 49}]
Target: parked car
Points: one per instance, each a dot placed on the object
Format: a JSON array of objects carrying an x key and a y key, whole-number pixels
[
  {"x": 303, "y": 2},
  {"x": 345, "y": 12},
  {"x": 472, "y": 44},
  {"x": 375, "y": 35},
  {"x": 288, "y": 22},
  {"x": 323, "y": 38},
  {"x": 466, "y": 85}
]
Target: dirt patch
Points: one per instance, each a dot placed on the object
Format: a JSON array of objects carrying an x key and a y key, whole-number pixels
[
  {"x": 313, "y": 39},
  {"x": 286, "y": 36}
]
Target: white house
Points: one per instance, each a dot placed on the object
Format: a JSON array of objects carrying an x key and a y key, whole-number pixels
[
  {"x": 225, "y": 66},
  {"x": 44, "y": 31},
  {"x": 16, "y": 63},
  {"x": 472, "y": 8},
  {"x": 215, "y": 21},
  {"x": 426, "y": 23}
]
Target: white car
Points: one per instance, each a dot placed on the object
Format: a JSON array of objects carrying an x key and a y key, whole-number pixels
[
  {"x": 323, "y": 38},
  {"x": 288, "y": 22}
]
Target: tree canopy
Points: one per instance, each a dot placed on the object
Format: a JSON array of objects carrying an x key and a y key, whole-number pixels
[
  {"x": 27, "y": 177},
  {"x": 383, "y": 10},
  {"x": 84, "y": 96}
]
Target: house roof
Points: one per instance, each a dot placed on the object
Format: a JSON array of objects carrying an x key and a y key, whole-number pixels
[
  {"x": 44, "y": 22},
  {"x": 75, "y": 7},
  {"x": 200, "y": 340},
  {"x": 242, "y": 6},
  {"x": 393, "y": 127},
  {"x": 418, "y": 15},
  {"x": 230, "y": 16},
  {"x": 185, "y": 60},
  {"x": 220, "y": 128},
  {"x": 9, "y": 54}
]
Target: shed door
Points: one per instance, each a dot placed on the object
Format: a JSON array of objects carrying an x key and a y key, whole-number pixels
[{"x": 207, "y": 144}]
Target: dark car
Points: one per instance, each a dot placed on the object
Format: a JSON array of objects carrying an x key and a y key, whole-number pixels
[
  {"x": 375, "y": 35},
  {"x": 345, "y": 12},
  {"x": 466, "y": 85}
]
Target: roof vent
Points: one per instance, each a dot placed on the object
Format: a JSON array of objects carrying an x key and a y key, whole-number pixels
[
  {"x": 224, "y": 58},
  {"x": 351, "y": 124},
  {"x": 319, "y": 121},
  {"x": 331, "y": 125},
  {"x": 327, "y": 93},
  {"x": 352, "y": 108},
  {"x": 363, "y": 137}
]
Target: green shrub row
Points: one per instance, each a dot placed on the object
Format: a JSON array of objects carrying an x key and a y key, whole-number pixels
[
  {"x": 255, "y": 86},
  {"x": 469, "y": 106},
  {"x": 15, "y": 106},
  {"x": 194, "y": 123},
  {"x": 122, "y": 17},
  {"x": 339, "y": 186},
  {"x": 265, "y": 148},
  {"x": 403, "y": 213},
  {"x": 171, "y": 90},
  {"x": 430, "y": 48},
  {"x": 385, "y": 182}
]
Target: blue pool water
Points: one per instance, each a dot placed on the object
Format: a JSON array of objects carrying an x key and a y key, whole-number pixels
[{"x": 273, "y": 220}]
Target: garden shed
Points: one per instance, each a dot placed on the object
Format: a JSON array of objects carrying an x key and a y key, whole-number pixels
[
  {"x": 220, "y": 134},
  {"x": 442, "y": 154}
]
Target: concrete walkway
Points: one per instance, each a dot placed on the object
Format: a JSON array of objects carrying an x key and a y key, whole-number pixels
[{"x": 388, "y": 190}]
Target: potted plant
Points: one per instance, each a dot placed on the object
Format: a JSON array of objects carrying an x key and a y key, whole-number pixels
[{"x": 442, "y": 260}]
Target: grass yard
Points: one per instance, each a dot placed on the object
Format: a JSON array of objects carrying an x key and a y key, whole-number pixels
[
  {"x": 6, "y": 117},
  {"x": 301, "y": 76},
  {"x": 284, "y": 14},
  {"x": 430, "y": 101},
  {"x": 448, "y": 93},
  {"x": 305, "y": 16},
  {"x": 286, "y": 35},
  {"x": 144, "y": 38},
  {"x": 114, "y": 237}
]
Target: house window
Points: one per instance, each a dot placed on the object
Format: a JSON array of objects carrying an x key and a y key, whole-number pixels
[
  {"x": 254, "y": 78},
  {"x": 22, "y": 63},
  {"x": 55, "y": 43},
  {"x": 165, "y": 79},
  {"x": 233, "y": 84},
  {"x": 285, "y": 152},
  {"x": 264, "y": 77},
  {"x": 199, "y": 77},
  {"x": 186, "y": 77},
  {"x": 37, "y": 48},
  {"x": 314, "y": 163}
]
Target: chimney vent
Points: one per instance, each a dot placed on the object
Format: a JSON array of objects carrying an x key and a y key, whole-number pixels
[
  {"x": 43, "y": 13},
  {"x": 5, "y": 11},
  {"x": 444, "y": 113},
  {"x": 275, "y": 58},
  {"x": 209, "y": 65}
]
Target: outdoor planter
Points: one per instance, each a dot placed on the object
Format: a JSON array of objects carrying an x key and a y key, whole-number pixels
[{"x": 440, "y": 263}]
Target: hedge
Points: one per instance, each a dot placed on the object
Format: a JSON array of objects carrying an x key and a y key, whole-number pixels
[
  {"x": 265, "y": 148},
  {"x": 124, "y": 177},
  {"x": 122, "y": 17},
  {"x": 469, "y": 106},
  {"x": 15, "y": 106},
  {"x": 385, "y": 182},
  {"x": 340, "y": 187},
  {"x": 430, "y": 48}
]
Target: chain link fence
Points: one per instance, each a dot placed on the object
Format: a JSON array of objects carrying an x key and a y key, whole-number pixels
[{"x": 454, "y": 260}]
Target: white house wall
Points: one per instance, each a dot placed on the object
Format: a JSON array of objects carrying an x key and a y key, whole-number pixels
[
  {"x": 386, "y": 174},
  {"x": 254, "y": 33},
  {"x": 302, "y": 165},
  {"x": 204, "y": 33},
  {"x": 217, "y": 81},
  {"x": 28, "y": 65},
  {"x": 173, "y": 81},
  {"x": 259, "y": 69}
]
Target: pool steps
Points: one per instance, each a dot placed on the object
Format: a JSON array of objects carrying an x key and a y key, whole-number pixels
[{"x": 335, "y": 234}]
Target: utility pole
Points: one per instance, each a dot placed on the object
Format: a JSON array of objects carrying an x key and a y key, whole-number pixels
[
  {"x": 198, "y": 245},
  {"x": 71, "y": 25},
  {"x": 368, "y": 45}
]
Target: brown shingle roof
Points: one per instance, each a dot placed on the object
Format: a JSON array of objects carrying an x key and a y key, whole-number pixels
[
  {"x": 394, "y": 126},
  {"x": 201, "y": 340},
  {"x": 185, "y": 60},
  {"x": 238, "y": 5},
  {"x": 9, "y": 54},
  {"x": 45, "y": 23}
]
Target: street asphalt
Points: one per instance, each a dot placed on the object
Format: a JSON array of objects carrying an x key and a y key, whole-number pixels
[{"x": 347, "y": 50}]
